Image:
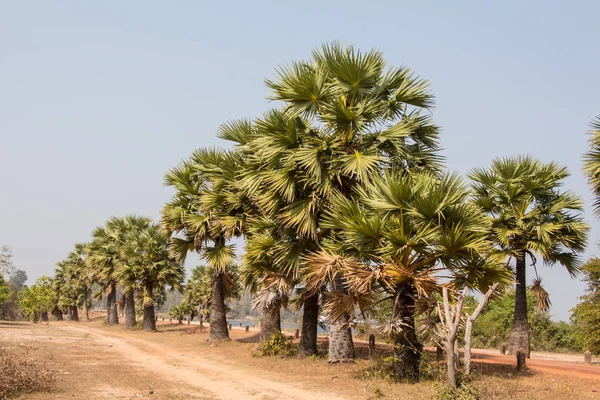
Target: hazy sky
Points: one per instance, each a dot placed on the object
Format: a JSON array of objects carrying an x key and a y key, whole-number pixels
[{"x": 99, "y": 99}]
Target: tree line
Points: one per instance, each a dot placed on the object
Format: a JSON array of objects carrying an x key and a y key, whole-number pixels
[{"x": 342, "y": 198}]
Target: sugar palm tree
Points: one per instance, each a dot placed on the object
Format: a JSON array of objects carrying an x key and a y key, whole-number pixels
[
  {"x": 591, "y": 159},
  {"x": 261, "y": 274},
  {"x": 198, "y": 290},
  {"x": 104, "y": 256},
  {"x": 395, "y": 241},
  {"x": 202, "y": 216},
  {"x": 147, "y": 268},
  {"x": 345, "y": 118},
  {"x": 531, "y": 218}
]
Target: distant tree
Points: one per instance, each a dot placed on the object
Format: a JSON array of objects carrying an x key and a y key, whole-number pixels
[
  {"x": 4, "y": 295},
  {"x": 179, "y": 311},
  {"x": 493, "y": 327},
  {"x": 6, "y": 261},
  {"x": 147, "y": 268},
  {"x": 197, "y": 294},
  {"x": 37, "y": 300},
  {"x": 18, "y": 278},
  {"x": 586, "y": 315}
]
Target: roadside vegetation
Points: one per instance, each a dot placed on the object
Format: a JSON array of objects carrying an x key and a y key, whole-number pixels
[{"x": 346, "y": 211}]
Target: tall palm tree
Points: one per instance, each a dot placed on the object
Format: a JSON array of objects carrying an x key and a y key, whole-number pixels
[
  {"x": 531, "y": 218},
  {"x": 591, "y": 159},
  {"x": 345, "y": 118},
  {"x": 146, "y": 267},
  {"x": 202, "y": 216},
  {"x": 395, "y": 241}
]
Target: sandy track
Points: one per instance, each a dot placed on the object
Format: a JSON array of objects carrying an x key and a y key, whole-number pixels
[{"x": 221, "y": 381}]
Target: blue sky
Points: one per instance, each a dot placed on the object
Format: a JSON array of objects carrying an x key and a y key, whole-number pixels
[{"x": 99, "y": 99}]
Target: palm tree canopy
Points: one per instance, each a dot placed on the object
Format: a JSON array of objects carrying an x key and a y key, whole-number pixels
[
  {"x": 591, "y": 162},
  {"x": 104, "y": 251},
  {"x": 146, "y": 265},
  {"x": 405, "y": 230},
  {"x": 345, "y": 118},
  {"x": 207, "y": 206},
  {"x": 529, "y": 212}
]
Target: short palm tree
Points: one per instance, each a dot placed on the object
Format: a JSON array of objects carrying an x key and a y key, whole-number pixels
[
  {"x": 202, "y": 216},
  {"x": 395, "y": 241},
  {"x": 72, "y": 283},
  {"x": 104, "y": 256},
  {"x": 198, "y": 290},
  {"x": 345, "y": 119},
  {"x": 146, "y": 267},
  {"x": 591, "y": 159},
  {"x": 531, "y": 218}
]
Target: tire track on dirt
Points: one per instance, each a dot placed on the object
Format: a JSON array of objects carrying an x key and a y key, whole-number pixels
[{"x": 220, "y": 380}]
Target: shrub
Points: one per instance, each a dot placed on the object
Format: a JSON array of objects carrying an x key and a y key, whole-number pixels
[
  {"x": 465, "y": 391},
  {"x": 278, "y": 345},
  {"x": 18, "y": 374}
]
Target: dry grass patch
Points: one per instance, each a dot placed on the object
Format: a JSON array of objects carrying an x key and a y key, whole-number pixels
[{"x": 19, "y": 373}]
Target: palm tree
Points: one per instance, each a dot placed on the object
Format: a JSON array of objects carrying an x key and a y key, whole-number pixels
[
  {"x": 202, "y": 216},
  {"x": 531, "y": 217},
  {"x": 104, "y": 256},
  {"x": 263, "y": 276},
  {"x": 146, "y": 267},
  {"x": 198, "y": 290},
  {"x": 591, "y": 159},
  {"x": 395, "y": 241},
  {"x": 345, "y": 118}
]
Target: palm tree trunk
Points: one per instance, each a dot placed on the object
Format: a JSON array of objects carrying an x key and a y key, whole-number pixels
[
  {"x": 113, "y": 312},
  {"x": 218, "y": 319},
  {"x": 149, "y": 316},
  {"x": 85, "y": 303},
  {"x": 310, "y": 320},
  {"x": 129, "y": 310},
  {"x": 407, "y": 348},
  {"x": 74, "y": 313},
  {"x": 57, "y": 313},
  {"x": 270, "y": 321},
  {"x": 341, "y": 346},
  {"x": 519, "y": 337}
]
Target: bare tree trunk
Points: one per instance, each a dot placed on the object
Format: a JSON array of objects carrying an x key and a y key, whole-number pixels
[
  {"x": 452, "y": 321},
  {"x": 341, "y": 346},
  {"x": 407, "y": 348},
  {"x": 74, "y": 313},
  {"x": 149, "y": 316},
  {"x": 218, "y": 319},
  {"x": 69, "y": 314},
  {"x": 85, "y": 303},
  {"x": 129, "y": 310},
  {"x": 270, "y": 322},
  {"x": 519, "y": 337},
  {"x": 310, "y": 320},
  {"x": 469, "y": 325},
  {"x": 113, "y": 312}
]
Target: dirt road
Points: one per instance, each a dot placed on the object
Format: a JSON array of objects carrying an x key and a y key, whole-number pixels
[
  {"x": 198, "y": 377},
  {"x": 99, "y": 362}
]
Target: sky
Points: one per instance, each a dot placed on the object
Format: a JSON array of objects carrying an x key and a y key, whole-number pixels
[{"x": 99, "y": 99}]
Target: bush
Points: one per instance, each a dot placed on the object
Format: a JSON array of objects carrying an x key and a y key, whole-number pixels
[
  {"x": 465, "y": 391},
  {"x": 278, "y": 345},
  {"x": 18, "y": 374}
]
